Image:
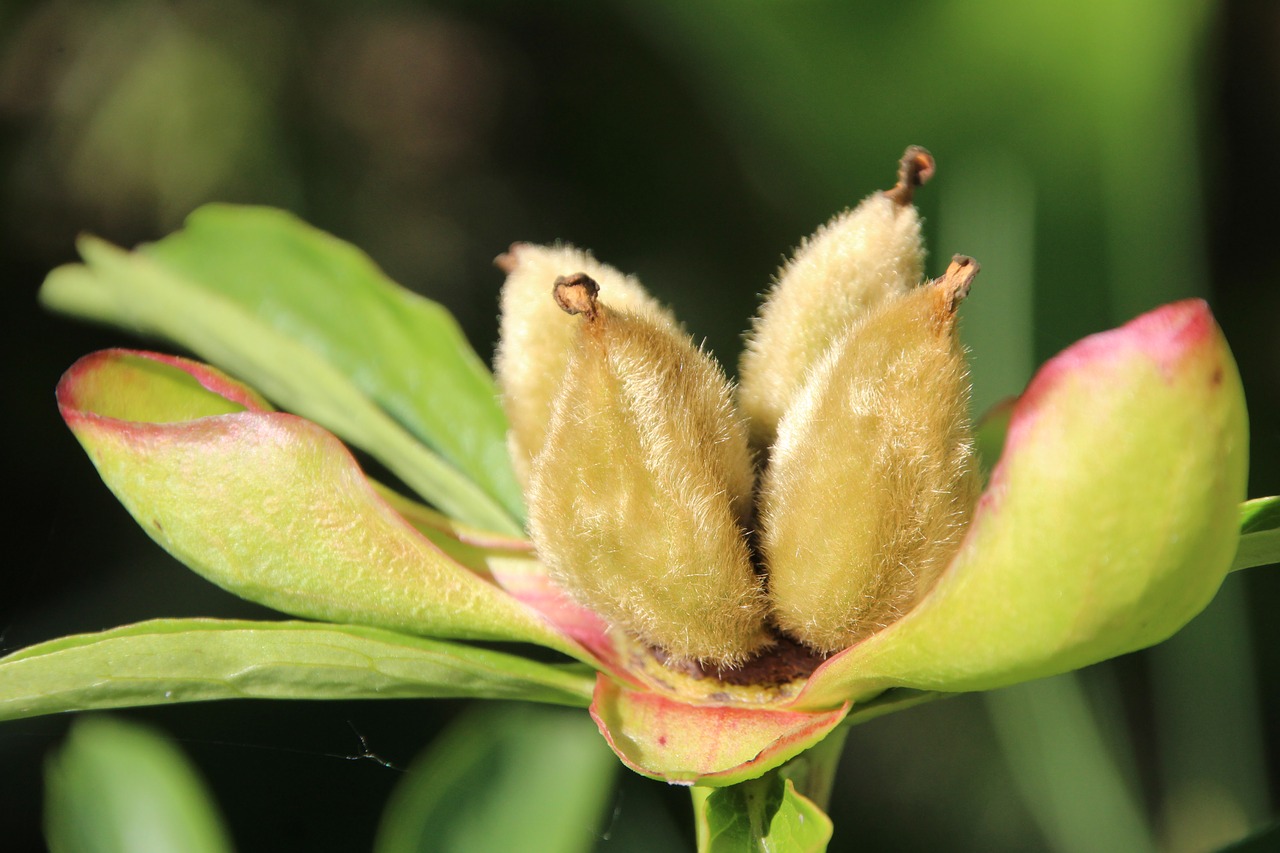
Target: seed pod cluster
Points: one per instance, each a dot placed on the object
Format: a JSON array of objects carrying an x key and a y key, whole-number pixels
[
  {"x": 639, "y": 492},
  {"x": 639, "y": 472}
]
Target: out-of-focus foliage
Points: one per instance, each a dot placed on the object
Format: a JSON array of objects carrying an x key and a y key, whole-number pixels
[
  {"x": 506, "y": 777},
  {"x": 118, "y": 787},
  {"x": 1097, "y": 157}
]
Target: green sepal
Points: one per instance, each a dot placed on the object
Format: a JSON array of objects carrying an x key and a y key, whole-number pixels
[
  {"x": 117, "y": 787},
  {"x": 272, "y": 507},
  {"x": 694, "y": 744},
  {"x": 167, "y": 661},
  {"x": 317, "y": 327}
]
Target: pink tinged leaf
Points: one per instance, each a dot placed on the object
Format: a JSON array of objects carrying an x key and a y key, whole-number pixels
[
  {"x": 527, "y": 581},
  {"x": 664, "y": 738},
  {"x": 1109, "y": 522},
  {"x": 270, "y": 506}
]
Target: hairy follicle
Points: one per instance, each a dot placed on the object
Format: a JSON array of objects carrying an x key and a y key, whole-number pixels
[{"x": 636, "y": 496}]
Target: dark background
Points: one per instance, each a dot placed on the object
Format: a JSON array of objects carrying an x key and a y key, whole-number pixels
[{"x": 1098, "y": 158}]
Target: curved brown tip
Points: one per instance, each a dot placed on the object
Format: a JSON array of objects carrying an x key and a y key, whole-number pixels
[
  {"x": 954, "y": 284},
  {"x": 576, "y": 294},
  {"x": 914, "y": 170}
]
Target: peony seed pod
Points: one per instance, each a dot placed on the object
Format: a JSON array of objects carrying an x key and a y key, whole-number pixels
[
  {"x": 537, "y": 337},
  {"x": 638, "y": 496},
  {"x": 844, "y": 270},
  {"x": 872, "y": 480}
]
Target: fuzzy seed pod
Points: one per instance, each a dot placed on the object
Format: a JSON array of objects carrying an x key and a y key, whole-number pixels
[
  {"x": 637, "y": 498},
  {"x": 873, "y": 479},
  {"x": 844, "y": 270},
  {"x": 537, "y": 337}
]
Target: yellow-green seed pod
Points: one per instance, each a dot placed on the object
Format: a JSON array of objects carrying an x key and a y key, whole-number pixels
[
  {"x": 536, "y": 336},
  {"x": 844, "y": 270},
  {"x": 637, "y": 497},
  {"x": 872, "y": 480}
]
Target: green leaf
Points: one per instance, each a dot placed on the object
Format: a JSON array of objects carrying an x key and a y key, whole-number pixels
[
  {"x": 765, "y": 814},
  {"x": 509, "y": 778},
  {"x": 313, "y": 324},
  {"x": 117, "y": 787},
  {"x": 1259, "y": 533},
  {"x": 194, "y": 660},
  {"x": 270, "y": 506}
]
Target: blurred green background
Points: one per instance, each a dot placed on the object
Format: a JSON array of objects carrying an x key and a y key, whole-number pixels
[{"x": 1098, "y": 157}]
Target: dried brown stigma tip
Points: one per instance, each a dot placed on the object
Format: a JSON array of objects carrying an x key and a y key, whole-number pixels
[
  {"x": 914, "y": 169},
  {"x": 508, "y": 260},
  {"x": 953, "y": 285},
  {"x": 576, "y": 294}
]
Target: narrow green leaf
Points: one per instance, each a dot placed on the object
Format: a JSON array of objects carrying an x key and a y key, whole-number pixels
[
  {"x": 194, "y": 660},
  {"x": 117, "y": 787},
  {"x": 765, "y": 815},
  {"x": 1259, "y": 534},
  {"x": 510, "y": 778},
  {"x": 322, "y": 333}
]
